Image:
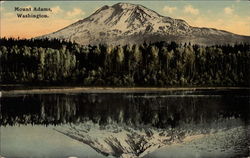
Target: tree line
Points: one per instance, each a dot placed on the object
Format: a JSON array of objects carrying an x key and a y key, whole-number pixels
[{"x": 57, "y": 62}]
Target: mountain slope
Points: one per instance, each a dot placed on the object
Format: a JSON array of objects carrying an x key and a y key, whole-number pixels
[
  {"x": 128, "y": 141},
  {"x": 125, "y": 23}
]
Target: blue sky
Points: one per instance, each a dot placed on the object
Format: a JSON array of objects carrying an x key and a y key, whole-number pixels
[{"x": 233, "y": 16}]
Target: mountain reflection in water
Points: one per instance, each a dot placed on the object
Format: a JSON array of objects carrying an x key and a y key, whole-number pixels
[{"x": 131, "y": 124}]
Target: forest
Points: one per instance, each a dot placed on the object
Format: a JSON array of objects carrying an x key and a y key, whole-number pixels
[{"x": 57, "y": 62}]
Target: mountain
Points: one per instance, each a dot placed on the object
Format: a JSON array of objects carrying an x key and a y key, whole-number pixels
[
  {"x": 125, "y": 23},
  {"x": 120, "y": 140}
]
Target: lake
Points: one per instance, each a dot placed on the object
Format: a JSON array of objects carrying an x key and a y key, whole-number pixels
[{"x": 152, "y": 124}]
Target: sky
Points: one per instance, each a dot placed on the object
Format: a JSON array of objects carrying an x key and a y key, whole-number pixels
[{"x": 233, "y": 15}]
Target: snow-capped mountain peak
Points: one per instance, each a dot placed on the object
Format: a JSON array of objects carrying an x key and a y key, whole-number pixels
[
  {"x": 124, "y": 23},
  {"x": 124, "y": 16}
]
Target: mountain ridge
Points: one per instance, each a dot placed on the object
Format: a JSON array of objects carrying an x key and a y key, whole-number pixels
[{"x": 126, "y": 23}]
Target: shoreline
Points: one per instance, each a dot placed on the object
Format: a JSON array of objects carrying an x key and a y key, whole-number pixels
[{"x": 63, "y": 90}]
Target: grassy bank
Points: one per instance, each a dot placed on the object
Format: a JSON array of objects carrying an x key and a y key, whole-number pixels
[{"x": 62, "y": 90}]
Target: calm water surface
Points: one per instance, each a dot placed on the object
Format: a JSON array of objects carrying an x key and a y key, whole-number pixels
[{"x": 206, "y": 123}]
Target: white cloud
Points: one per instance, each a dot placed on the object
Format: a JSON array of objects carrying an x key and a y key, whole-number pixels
[
  {"x": 168, "y": 9},
  {"x": 56, "y": 9},
  {"x": 28, "y": 6},
  {"x": 190, "y": 9},
  {"x": 228, "y": 10},
  {"x": 231, "y": 24},
  {"x": 75, "y": 12}
]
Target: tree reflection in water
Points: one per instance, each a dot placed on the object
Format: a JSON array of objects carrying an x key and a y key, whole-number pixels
[{"x": 131, "y": 124}]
